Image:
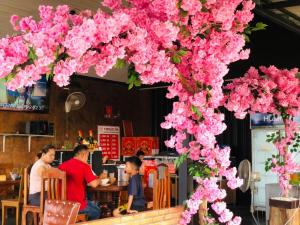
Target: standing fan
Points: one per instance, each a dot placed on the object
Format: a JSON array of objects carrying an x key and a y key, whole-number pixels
[
  {"x": 74, "y": 101},
  {"x": 249, "y": 178}
]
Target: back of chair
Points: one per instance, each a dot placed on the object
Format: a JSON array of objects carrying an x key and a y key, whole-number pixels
[
  {"x": 53, "y": 185},
  {"x": 161, "y": 187},
  {"x": 26, "y": 186},
  {"x": 21, "y": 187},
  {"x": 60, "y": 212}
]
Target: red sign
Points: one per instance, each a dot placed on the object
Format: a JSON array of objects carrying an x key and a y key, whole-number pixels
[
  {"x": 109, "y": 141},
  {"x": 130, "y": 145}
]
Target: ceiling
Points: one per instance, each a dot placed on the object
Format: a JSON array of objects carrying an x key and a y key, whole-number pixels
[
  {"x": 30, "y": 8},
  {"x": 283, "y": 12}
]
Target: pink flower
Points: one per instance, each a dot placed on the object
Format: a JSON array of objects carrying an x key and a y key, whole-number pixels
[
  {"x": 13, "y": 21},
  {"x": 225, "y": 216},
  {"x": 219, "y": 207},
  {"x": 63, "y": 70}
]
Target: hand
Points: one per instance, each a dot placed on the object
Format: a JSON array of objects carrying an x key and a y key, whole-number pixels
[{"x": 131, "y": 211}]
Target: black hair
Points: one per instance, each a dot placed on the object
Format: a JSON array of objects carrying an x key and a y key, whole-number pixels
[
  {"x": 135, "y": 161},
  {"x": 79, "y": 148},
  {"x": 39, "y": 155},
  {"x": 140, "y": 153},
  {"x": 46, "y": 149}
]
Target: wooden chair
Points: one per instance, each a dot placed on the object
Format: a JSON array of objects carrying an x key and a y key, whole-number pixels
[
  {"x": 161, "y": 187},
  {"x": 13, "y": 203},
  {"x": 35, "y": 210},
  {"x": 59, "y": 212},
  {"x": 54, "y": 186}
]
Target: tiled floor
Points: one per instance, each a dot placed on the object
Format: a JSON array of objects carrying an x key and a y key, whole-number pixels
[{"x": 240, "y": 211}]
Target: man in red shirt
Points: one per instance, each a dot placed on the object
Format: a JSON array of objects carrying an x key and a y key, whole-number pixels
[{"x": 79, "y": 176}]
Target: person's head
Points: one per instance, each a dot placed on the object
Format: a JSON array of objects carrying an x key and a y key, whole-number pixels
[
  {"x": 133, "y": 165},
  {"x": 48, "y": 154},
  {"x": 81, "y": 152},
  {"x": 104, "y": 159},
  {"x": 140, "y": 154}
]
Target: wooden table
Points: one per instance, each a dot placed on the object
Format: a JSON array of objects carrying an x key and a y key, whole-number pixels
[
  {"x": 5, "y": 185},
  {"x": 110, "y": 188},
  {"x": 109, "y": 197}
]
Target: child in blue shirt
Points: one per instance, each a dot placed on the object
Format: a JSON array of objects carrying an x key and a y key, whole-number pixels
[{"x": 136, "y": 199}]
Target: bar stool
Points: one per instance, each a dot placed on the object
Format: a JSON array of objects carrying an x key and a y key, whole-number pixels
[{"x": 13, "y": 203}]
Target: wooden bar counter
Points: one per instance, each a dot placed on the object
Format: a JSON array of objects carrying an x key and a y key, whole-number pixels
[{"x": 284, "y": 211}]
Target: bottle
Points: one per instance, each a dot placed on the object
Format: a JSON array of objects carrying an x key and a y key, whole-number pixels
[
  {"x": 79, "y": 138},
  {"x": 91, "y": 138}
]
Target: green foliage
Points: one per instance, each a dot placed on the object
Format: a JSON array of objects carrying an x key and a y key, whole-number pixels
[
  {"x": 50, "y": 75},
  {"x": 31, "y": 54},
  {"x": 9, "y": 77},
  {"x": 274, "y": 137},
  {"x": 133, "y": 78},
  {"x": 293, "y": 148},
  {"x": 248, "y": 31},
  {"x": 197, "y": 169},
  {"x": 121, "y": 63},
  {"x": 176, "y": 58},
  {"x": 196, "y": 111},
  {"x": 181, "y": 159}
]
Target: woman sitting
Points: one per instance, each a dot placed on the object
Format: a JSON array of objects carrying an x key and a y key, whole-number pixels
[{"x": 47, "y": 157}]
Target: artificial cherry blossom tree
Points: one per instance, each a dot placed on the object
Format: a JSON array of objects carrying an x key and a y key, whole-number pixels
[
  {"x": 186, "y": 43},
  {"x": 278, "y": 92}
]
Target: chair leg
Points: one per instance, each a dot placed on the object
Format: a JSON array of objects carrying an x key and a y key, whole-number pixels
[
  {"x": 24, "y": 214},
  {"x": 35, "y": 218},
  {"x": 3, "y": 215},
  {"x": 17, "y": 215}
]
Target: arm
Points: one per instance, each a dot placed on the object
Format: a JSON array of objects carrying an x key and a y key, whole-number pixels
[
  {"x": 91, "y": 179},
  {"x": 129, "y": 203},
  {"x": 41, "y": 170},
  {"x": 95, "y": 183}
]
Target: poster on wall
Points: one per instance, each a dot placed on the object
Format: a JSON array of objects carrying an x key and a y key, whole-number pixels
[
  {"x": 268, "y": 120},
  {"x": 109, "y": 141}
]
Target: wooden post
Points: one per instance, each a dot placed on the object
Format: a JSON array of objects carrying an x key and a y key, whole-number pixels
[
  {"x": 202, "y": 212},
  {"x": 284, "y": 211}
]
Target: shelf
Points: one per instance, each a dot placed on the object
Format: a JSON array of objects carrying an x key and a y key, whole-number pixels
[{"x": 29, "y": 136}]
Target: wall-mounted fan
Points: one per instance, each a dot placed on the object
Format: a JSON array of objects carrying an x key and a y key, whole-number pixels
[
  {"x": 75, "y": 101},
  {"x": 249, "y": 179}
]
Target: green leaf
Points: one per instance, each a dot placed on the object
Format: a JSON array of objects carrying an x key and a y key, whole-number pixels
[
  {"x": 196, "y": 111},
  {"x": 9, "y": 77},
  {"x": 259, "y": 26},
  {"x": 175, "y": 59},
  {"x": 130, "y": 86},
  {"x": 121, "y": 63},
  {"x": 247, "y": 39},
  {"x": 181, "y": 159},
  {"x": 182, "y": 52},
  {"x": 31, "y": 54},
  {"x": 133, "y": 78}
]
